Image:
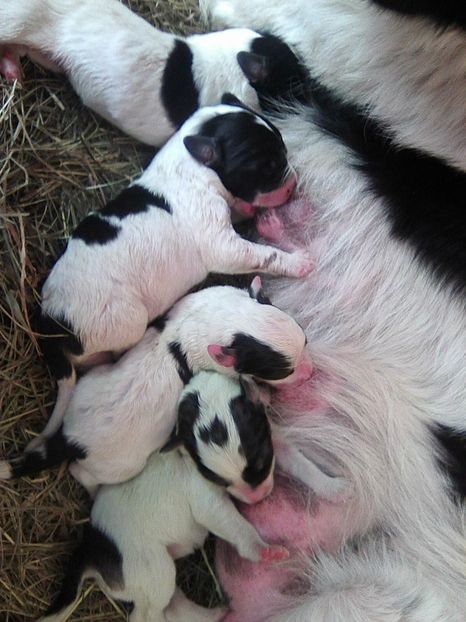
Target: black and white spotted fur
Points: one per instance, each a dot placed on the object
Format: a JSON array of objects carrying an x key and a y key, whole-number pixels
[
  {"x": 144, "y": 81},
  {"x": 120, "y": 413},
  {"x": 128, "y": 263},
  {"x": 381, "y": 154},
  {"x": 139, "y": 528}
]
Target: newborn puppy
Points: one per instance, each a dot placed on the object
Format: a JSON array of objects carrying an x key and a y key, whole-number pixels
[
  {"x": 139, "y": 528},
  {"x": 144, "y": 81},
  {"x": 129, "y": 262},
  {"x": 119, "y": 414}
]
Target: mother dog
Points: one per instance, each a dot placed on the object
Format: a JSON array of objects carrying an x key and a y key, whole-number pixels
[{"x": 381, "y": 152}]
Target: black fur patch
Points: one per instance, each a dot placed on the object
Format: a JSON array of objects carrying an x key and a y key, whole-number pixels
[
  {"x": 159, "y": 323},
  {"x": 453, "y": 459},
  {"x": 134, "y": 200},
  {"x": 424, "y": 197},
  {"x": 98, "y": 552},
  {"x": 256, "y": 438},
  {"x": 188, "y": 413},
  {"x": 58, "y": 339},
  {"x": 58, "y": 449},
  {"x": 288, "y": 78},
  {"x": 258, "y": 359},
  {"x": 184, "y": 370},
  {"x": 95, "y": 230},
  {"x": 442, "y": 12},
  {"x": 216, "y": 432},
  {"x": 253, "y": 155},
  {"x": 179, "y": 93},
  {"x": 261, "y": 298}
]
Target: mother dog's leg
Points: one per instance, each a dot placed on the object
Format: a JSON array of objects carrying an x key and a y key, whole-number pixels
[{"x": 407, "y": 71}]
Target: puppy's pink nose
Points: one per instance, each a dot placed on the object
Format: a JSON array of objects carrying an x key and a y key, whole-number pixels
[
  {"x": 259, "y": 493},
  {"x": 276, "y": 197}
]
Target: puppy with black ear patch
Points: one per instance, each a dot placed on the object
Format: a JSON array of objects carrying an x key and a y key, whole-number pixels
[
  {"x": 144, "y": 81},
  {"x": 223, "y": 425},
  {"x": 139, "y": 528},
  {"x": 119, "y": 414},
  {"x": 129, "y": 262}
]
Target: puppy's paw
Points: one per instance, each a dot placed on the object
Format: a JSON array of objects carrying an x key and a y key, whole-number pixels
[
  {"x": 303, "y": 264},
  {"x": 269, "y": 225}
]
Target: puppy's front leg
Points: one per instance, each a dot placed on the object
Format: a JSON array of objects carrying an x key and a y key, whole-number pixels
[
  {"x": 231, "y": 254},
  {"x": 220, "y": 516}
]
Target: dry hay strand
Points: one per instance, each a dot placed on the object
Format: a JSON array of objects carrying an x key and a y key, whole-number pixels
[{"x": 58, "y": 161}]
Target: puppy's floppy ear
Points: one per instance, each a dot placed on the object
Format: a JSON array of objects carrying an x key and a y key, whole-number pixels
[
  {"x": 255, "y": 287},
  {"x": 255, "y": 291},
  {"x": 188, "y": 412},
  {"x": 228, "y": 99},
  {"x": 226, "y": 357},
  {"x": 204, "y": 149},
  {"x": 254, "y": 66}
]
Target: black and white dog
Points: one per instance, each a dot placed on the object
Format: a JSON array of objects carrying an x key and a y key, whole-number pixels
[
  {"x": 139, "y": 528},
  {"x": 381, "y": 153},
  {"x": 144, "y": 81},
  {"x": 120, "y": 413}
]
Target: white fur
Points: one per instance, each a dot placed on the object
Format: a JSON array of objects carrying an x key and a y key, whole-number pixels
[
  {"x": 388, "y": 339},
  {"x": 110, "y": 292},
  {"x": 163, "y": 514},
  {"x": 406, "y": 71},
  {"x": 115, "y": 60},
  {"x": 123, "y": 412}
]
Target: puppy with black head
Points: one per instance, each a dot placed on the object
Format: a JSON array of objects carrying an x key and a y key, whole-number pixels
[
  {"x": 140, "y": 527},
  {"x": 144, "y": 81}
]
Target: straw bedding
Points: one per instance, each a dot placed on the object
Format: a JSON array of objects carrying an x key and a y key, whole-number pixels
[{"x": 57, "y": 162}]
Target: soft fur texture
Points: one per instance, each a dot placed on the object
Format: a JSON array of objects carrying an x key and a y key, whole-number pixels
[
  {"x": 144, "y": 81},
  {"x": 119, "y": 414},
  {"x": 388, "y": 335},
  {"x": 130, "y": 262},
  {"x": 139, "y": 528}
]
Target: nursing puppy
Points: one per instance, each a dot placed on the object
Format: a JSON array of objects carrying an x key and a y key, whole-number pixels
[
  {"x": 139, "y": 528},
  {"x": 144, "y": 81},
  {"x": 381, "y": 154},
  {"x": 129, "y": 262},
  {"x": 119, "y": 414}
]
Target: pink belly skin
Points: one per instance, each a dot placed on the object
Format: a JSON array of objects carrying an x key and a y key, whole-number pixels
[{"x": 289, "y": 516}]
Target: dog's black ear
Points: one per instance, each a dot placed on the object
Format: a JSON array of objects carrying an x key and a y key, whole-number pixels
[
  {"x": 255, "y": 291},
  {"x": 228, "y": 99},
  {"x": 204, "y": 149},
  {"x": 255, "y": 67}
]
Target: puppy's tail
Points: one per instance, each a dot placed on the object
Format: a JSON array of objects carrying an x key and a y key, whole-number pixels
[{"x": 51, "y": 453}]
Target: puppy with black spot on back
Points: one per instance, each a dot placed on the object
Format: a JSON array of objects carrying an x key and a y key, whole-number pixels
[
  {"x": 128, "y": 263},
  {"x": 120, "y": 413},
  {"x": 144, "y": 81}
]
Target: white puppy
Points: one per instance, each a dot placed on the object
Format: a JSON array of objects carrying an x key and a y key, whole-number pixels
[
  {"x": 119, "y": 414},
  {"x": 144, "y": 81},
  {"x": 140, "y": 527}
]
